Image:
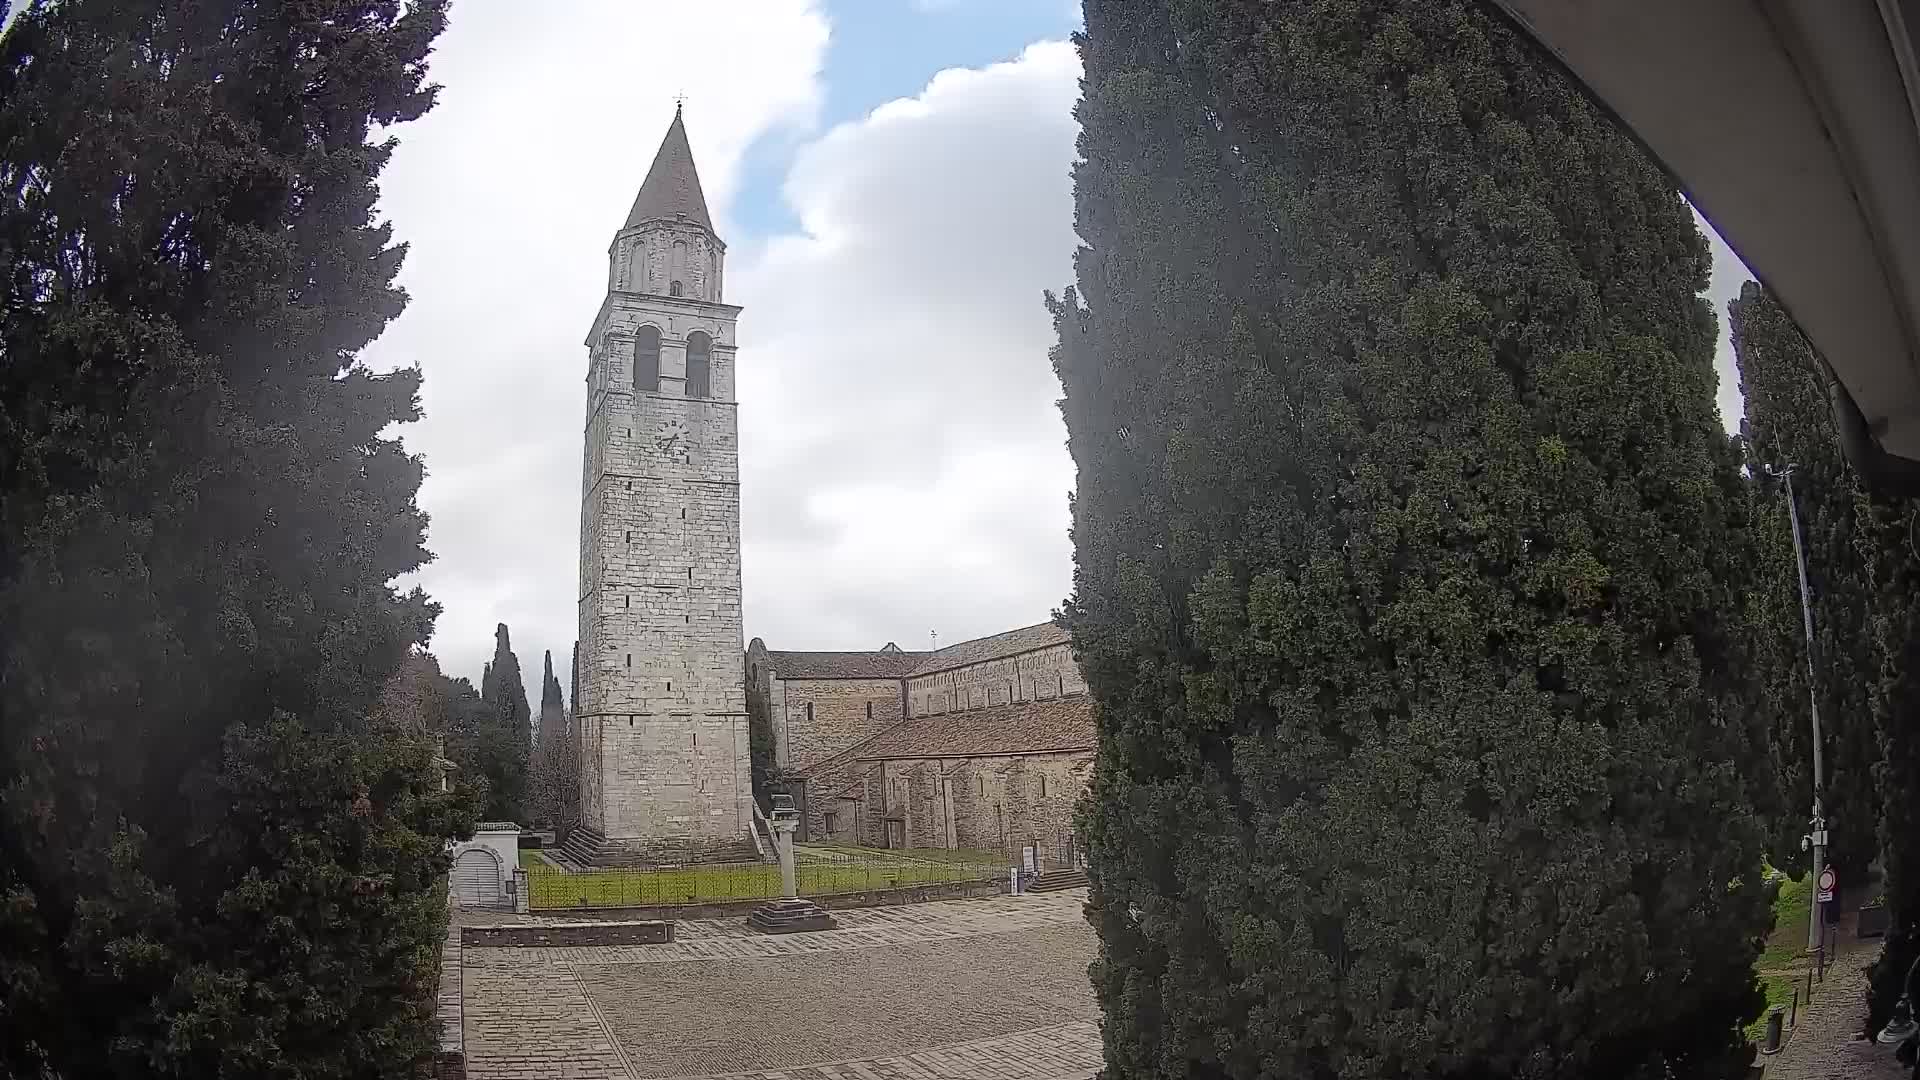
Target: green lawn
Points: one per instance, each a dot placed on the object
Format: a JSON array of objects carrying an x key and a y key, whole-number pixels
[
  {"x": 1779, "y": 990},
  {"x": 1787, "y": 944},
  {"x": 967, "y": 856},
  {"x": 551, "y": 889}
]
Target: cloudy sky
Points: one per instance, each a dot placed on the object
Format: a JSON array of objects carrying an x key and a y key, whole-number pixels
[{"x": 891, "y": 178}]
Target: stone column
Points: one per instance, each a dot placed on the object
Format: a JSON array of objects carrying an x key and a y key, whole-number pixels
[
  {"x": 789, "y": 914},
  {"x": 783, "y": 830}
]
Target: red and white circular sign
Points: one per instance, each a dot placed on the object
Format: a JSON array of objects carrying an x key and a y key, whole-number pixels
[{"x": 1827, "y": 880}]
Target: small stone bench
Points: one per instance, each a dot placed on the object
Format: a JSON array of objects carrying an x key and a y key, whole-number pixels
[{"x": 560, "y": 934}]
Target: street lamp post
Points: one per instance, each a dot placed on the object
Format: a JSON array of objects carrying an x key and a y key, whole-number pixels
[{"x": 1817, "y": 839}]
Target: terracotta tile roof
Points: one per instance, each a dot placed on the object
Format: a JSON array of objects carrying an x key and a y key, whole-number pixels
[
  {"x": 1025, "y": 639},
  {"x": 874, "y": 664},
  {"x": 1023, "y": 727},
  {"x": 839, "y": 775}
]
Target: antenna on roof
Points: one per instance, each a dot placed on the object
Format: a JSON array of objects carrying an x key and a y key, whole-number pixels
[{"x": 935, "y": 635}]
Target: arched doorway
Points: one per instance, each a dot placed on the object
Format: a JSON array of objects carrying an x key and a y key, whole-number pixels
[{"x": 477, "y": 879}]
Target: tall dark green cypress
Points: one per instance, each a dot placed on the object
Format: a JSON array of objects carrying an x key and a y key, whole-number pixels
[
  {"x": 212, "y": 863},
  {"x": 1895, "y": 543},
  {"x": 504, "y": 689},
  {"x": 1790, "y": 422},
  {"x": 1409, "y": 552}
]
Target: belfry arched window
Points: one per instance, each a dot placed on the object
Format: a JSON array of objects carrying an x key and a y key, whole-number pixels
[
  {"x": 699, "y": 365},
  {"x": 646, "y": 360},
  {"x": 676, "y": 289}
]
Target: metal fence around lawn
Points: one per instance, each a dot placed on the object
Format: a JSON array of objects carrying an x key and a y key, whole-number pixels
[{"x": 552, "y": 889}]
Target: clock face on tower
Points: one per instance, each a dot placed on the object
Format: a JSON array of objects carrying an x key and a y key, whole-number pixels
[{"x": 671, "y": 439}]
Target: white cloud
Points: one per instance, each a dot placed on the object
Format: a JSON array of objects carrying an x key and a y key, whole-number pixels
[
  {"x": 904, "y": 464},
  {"x": 509, "y": 192}
]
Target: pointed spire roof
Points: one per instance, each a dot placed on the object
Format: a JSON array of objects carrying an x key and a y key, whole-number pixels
[{"x": 672, "y": 187}]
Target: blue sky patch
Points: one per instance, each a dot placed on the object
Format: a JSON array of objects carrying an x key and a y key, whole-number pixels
[{"x": 882, "y": 50}]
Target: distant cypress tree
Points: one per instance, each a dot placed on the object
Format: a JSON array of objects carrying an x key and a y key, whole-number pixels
[
  {"x": 550, "y": 772},
  {"x": 508, "y": 694},
  {"x": 552, "y": 707},
  {"x": 1409, "y": 561},
  {"x": 1790, "y": 422},
  {"x": 504, "y": 746},
  {"x": 214, "y": 860},
  {"x": 570, "y": 791}
]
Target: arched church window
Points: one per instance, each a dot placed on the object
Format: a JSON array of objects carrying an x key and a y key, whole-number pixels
[
  {"x": 646, "y": 360},
  {"x": 699, "y": 365},
  {"x": 676, "y": 289}
]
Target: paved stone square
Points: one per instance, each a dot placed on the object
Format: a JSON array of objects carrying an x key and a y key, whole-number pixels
[{"x": 956, "y": 990}]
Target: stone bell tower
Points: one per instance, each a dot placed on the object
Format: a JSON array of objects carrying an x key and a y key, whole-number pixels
[{"x": 662, "y": 715}]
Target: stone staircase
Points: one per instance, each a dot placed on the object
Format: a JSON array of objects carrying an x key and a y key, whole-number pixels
[
  {"x": 1056, "y": 880},
  {"x": 583, "y": 848}
]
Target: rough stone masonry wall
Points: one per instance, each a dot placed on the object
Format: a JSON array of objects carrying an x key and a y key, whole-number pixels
[
  {"x": 997, "y": 802},
  {"x": 1038, "y": 675},
  {"x": 660, "y": 621},
  {"x": 843, "y": 712}
]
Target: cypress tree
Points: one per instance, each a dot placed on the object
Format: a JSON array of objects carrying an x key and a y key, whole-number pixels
[
  {"x": 550, "y": 770},
  {"x": 212, "y": 861},
  {"x": 1895, "y": 541},
  {"x": 1790, "y": 422},
  {"x": 507, "y": 694},
  {"x": 1408, "y": 558}
]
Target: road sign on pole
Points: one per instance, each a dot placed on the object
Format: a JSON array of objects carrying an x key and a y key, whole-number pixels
[{"x": 1827, "y": 883}]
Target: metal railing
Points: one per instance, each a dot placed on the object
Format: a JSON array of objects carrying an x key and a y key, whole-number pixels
[{"x": 550, "y": 889}]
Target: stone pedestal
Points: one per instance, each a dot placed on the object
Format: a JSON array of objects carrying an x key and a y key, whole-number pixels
[{"x": 791, "y": 915}]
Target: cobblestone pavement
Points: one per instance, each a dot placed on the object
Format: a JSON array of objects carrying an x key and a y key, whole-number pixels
[
  {"x": 956, "y": 990},
  {"x": 1823, "y": 1045},
  {"x": 861, "y": 928},
  {"x": 1064, "y": 1050}
]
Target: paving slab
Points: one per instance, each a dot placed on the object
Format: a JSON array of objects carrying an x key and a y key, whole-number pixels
[{"x": 991, "y": 989}]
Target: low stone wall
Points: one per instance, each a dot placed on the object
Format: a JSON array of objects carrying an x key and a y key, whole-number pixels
[
  {"x": 911, "y": 894},
  {"x": 597, "y": 932}
]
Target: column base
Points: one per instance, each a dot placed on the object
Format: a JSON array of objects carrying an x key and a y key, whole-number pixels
[{"x": 790, "y": 915}]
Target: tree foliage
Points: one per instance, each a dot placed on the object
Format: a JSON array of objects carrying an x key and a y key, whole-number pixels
[
  {"x": 1409, "y": 555},
  {"x": 1790, "y": 423},
  {"x": 554, "y": 770},
  {"x": 486, "y": 752},
  {"x": 1895, "y": 540},
  {"x": 211, "y": 862}
]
